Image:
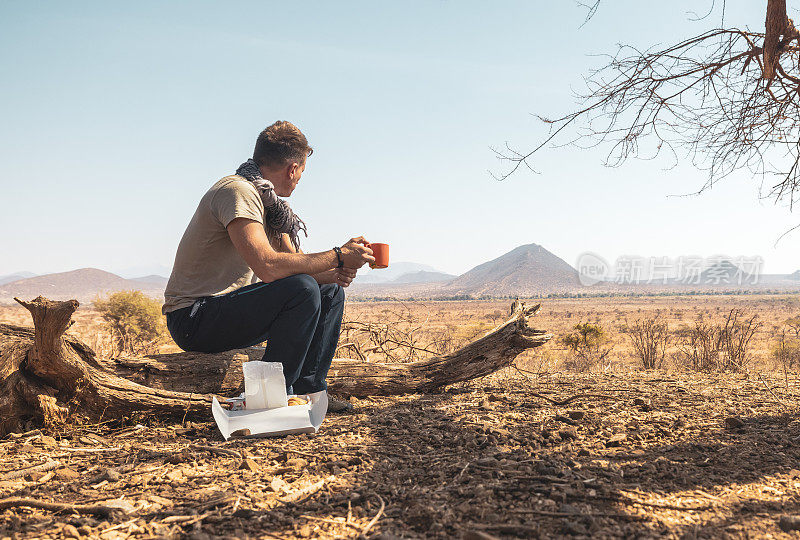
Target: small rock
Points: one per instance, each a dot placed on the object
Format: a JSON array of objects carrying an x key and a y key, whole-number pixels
[
  {"x": 248, "y": 465},
  {"x": 166, "y": 503},
  {"x": 245, "y": 513},
  {"x": 67, "y": 474},
  {"x": 584, "y": 452},
  {"x": 789, "y": 523},
  {"x": 46, "y": 440},
  {"x": 69, "y": 531},
  {"x": 107, "y": 474},
  {"x": 568, "y": 433},
  {"x": 297, "y": 463},
  {"x": 120, "y": 504},
  {"x": 577, "y": 415},
  {"x": 569, "y": 509},
  {"x": 573, "y": 529},
  {"x": 175, "y": 475},
  {"x": 641, "y": 401},
  {"x": 564, "y": 419},
  {"x": 733, "y": 422},
  {"x": 616, "y": 440}
]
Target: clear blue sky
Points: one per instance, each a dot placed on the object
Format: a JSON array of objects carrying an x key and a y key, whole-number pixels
[{"x": 116, "y": 117}]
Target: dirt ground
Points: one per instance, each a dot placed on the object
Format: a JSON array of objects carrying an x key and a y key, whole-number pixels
[
  {"x": 618, "y": 453},
  {"x": 629, "y": 455}
]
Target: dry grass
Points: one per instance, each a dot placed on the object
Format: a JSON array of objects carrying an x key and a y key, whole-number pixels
[{"x": 409, "y": 330}]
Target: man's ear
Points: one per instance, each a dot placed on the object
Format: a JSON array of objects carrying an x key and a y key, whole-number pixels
[{"x": 293, "y": 167}]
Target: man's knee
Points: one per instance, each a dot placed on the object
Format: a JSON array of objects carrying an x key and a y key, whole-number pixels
[
  {"x": 306, "y": 287},
  {"x": 334, "y": 292}
]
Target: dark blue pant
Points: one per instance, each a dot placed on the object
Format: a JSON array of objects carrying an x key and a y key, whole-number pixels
[{"x": 298, "y": 318}]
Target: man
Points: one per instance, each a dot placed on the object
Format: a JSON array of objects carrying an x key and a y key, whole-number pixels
[{"x": 240, "y": 277}]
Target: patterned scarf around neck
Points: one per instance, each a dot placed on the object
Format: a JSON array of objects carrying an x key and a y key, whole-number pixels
[{"x": 277, "y": 214}]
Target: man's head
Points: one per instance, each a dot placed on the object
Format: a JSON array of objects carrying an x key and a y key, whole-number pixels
[{"x": 281, "y": 151}]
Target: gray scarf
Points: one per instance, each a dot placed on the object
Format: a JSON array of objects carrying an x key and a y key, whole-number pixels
[{"x": 277, "y": 214}]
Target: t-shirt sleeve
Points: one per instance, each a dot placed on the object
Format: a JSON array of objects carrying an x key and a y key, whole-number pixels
[{"x": 237, "y": 200}]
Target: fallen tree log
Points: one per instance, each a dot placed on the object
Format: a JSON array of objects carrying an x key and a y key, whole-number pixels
[{"x": 48, "y": 376}]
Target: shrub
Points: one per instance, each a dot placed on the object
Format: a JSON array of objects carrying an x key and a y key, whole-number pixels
[
  {"x": 649, "y": 338},
  {"x": 699, "y": 345},
  {"x": 787, "y": 351},
  {"x": 588, "y": 344},
  {"x": 135, "y": 321},
  {"x": 719, "y": 347},
  {"x": 736, "y": 334}
]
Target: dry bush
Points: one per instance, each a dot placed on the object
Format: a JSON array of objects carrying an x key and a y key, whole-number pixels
[
  {"x": 719, "y": 347},
  {"x": 649, "y": 338},
  {"x": 699, "y": 346},
  {"x": 794, "y": 325},
  {"x": 787, "y": 350},
  {"x": 589, "y": 345},
  {"x": 400, "y": 336},
  {"x": 737, "y": 333},
  {"x": 135, "y": 322}
]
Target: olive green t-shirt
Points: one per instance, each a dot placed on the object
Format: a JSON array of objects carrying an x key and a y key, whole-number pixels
[{"x": 207, "y": 263}]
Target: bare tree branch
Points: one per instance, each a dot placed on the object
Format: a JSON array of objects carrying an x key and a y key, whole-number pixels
[{"x": 725, "y": 100}]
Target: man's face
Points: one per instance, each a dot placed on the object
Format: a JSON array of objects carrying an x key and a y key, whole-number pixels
[{"x": 288, "y": 179}]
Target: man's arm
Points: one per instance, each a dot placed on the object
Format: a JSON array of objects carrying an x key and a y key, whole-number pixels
[
  {"x": 328, "y": 276},
  {"x": 250, "y": 240}
]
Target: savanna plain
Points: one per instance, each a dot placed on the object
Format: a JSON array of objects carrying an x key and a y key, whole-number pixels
[{"x": 643, "y": 417}]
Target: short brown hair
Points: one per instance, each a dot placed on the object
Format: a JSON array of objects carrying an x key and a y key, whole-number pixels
[{"x": 281, "y": 143}]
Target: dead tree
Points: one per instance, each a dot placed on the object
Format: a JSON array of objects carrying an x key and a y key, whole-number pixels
[
  {"x": 48, "y": 376},
  {"x": 725, "y": 100}
]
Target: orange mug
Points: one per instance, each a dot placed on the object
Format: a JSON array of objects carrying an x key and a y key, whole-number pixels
[{"x": 381, "y": 254}]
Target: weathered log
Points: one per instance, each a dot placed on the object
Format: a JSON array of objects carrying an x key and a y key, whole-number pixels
[{"x": 46, "y": 375}]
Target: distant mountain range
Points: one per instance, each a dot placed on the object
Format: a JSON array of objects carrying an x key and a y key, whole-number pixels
[
  {"x": 423, "y": 276},
  {"x": 529, "y": 270},
  {"x": 15, "y": 277},
  {"x": 83, "y": 285},
  {"x": 395, "y": 271}
]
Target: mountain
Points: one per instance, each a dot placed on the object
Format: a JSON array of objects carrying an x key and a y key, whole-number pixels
[
  {"x": 144, "y": 270},
  {"x": 724, "y": 272},
  {"x": 84, "y": 285},
  {"x": 8, "y": 278},
  {"x": 526, "y": 270},
  {"x": 395, "y": 270},
  {"x": 423, "y": 276},
  {"x": 152, "y": 279}
]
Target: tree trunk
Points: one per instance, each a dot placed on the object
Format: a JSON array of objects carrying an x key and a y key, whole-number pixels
[
  {"x": 47, "y": 376},
  {"x": 776, "y": 26}
]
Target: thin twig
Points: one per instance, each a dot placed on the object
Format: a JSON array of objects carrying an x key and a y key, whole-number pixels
[
  {"x": 374, "y": 520},
  {"x": 46, "y": 466},
  {"x": 216, "y": 450},
  {"x": 97, "y": 509}
]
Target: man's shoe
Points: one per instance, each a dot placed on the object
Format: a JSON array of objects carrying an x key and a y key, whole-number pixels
[{"x": 337, "y": 405}]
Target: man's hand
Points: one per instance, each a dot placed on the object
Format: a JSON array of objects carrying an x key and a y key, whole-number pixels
[
  {"x": 356, "y": 254},
  {"x": 345, "y": 276}
]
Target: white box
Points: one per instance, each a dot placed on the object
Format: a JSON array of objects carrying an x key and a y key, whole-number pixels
[{"x": 273, "y": 422}]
